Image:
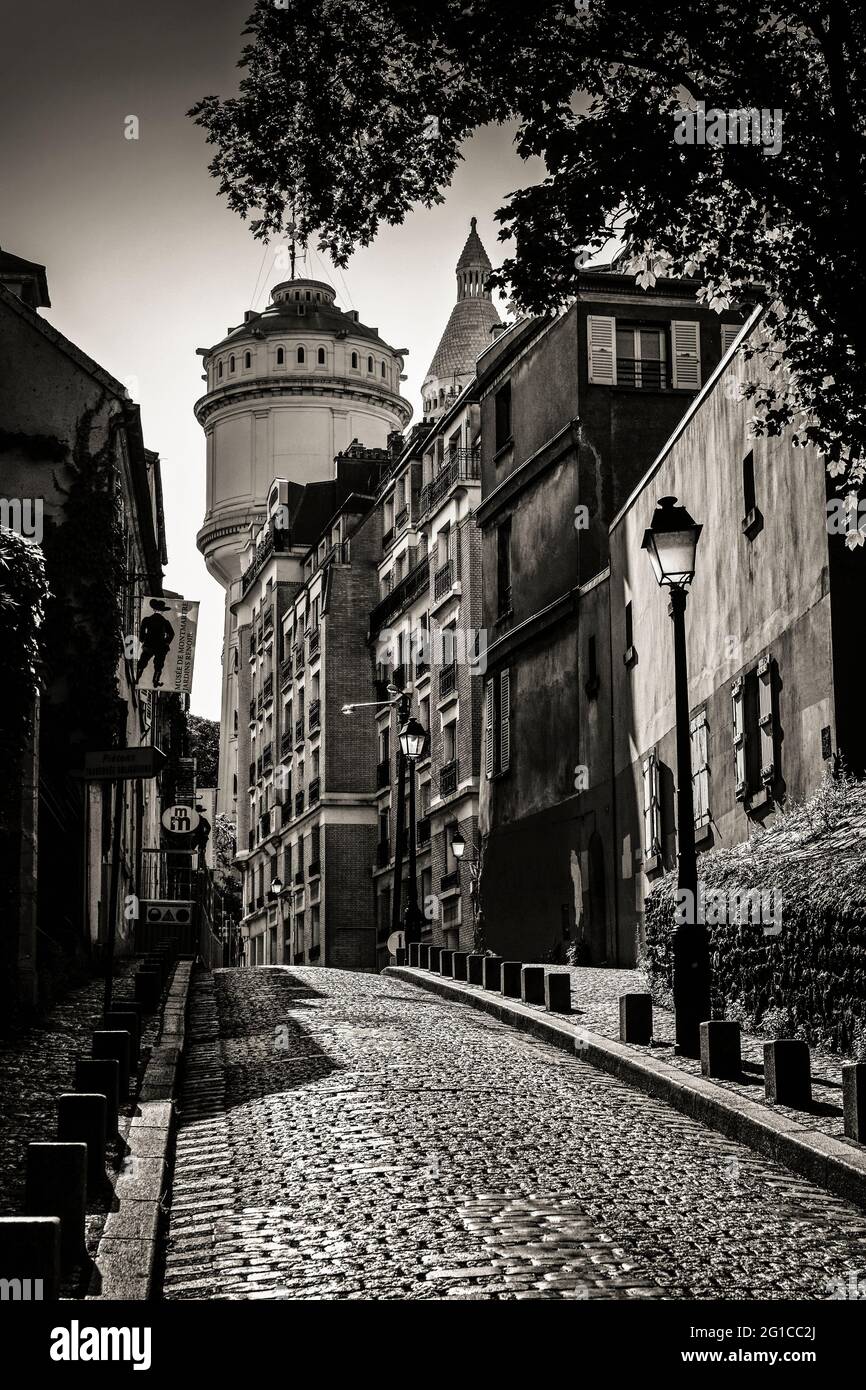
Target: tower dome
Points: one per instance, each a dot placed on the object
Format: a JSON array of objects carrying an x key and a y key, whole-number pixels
[{"x": 467, "y": 332}]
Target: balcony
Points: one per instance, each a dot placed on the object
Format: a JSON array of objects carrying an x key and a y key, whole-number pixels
[
  {"x": 462, "y": 466},
  {"x": 422, "y": 830},
  {"x": 448, "y": 778},
  {"x": 315, "y": 868},
  {"x": 449, "y": 881},
  {"x": 268, "y": 623},
  {"x": 383, "y": 854},
  {"x": 299, "y": 803},
  {"x": 299, "y": 730},
  {"x": 383, "y": 774},
  {"x": 315, "y": 708},
  {"x": 448, "y": 680},
  {"x": 314, "y": 642},
  {"x": 443, "y": 580},
  {"x": 268, "y": 690},
  {"x": 287, "y": 807},
  {"x": 267, "y": 757},
  {"x": 252, "y": 711},
  {"x": 410, "y": 587},
  {"x": 276, "y": 539},
  {"x": 298, "y": 655},
  {"x": 646, "y": 375},
  {"x": 313, "y": 791},
  {"x": 299, "y": 875},
  {"x": 286, "y": 744},
  {"x": 265, "y": 824},
  {"x": 287, "y": 670},
  {"x": 401, "y": 520}
]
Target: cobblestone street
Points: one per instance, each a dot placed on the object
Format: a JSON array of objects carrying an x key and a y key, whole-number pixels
[{"x": 350, "y": 1136}]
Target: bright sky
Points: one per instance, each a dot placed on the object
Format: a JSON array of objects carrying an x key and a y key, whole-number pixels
[{"x": 146, "y": 263}]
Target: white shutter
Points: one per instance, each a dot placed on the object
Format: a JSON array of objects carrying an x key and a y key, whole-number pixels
[
  {"x": 700, "y": 769},
  {"x": 686, "y": 339},
  {"x": 651, "y": 806},
  {"x": 729, "y": 333},
  {"x": 738, "y": 714},
  {"x": 504, "y": 720},
  {"x": 765, "y": 720},
  {"x": 601, "y": 348},
  {"x": 489, "y": 765}
]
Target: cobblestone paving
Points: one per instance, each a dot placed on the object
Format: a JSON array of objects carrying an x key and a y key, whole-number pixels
[
  {"x": 351, "y": 1136},
  {"x": 595, "y": 1000}
]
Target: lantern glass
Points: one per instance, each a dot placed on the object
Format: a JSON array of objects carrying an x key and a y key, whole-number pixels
[
  {"x": 412, "y": 738},
  {"x": 458, "y": 845},
  {"x": 671, "y": 543}
]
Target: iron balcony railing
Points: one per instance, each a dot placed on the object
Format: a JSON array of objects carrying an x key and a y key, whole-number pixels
[
  {"x": 401, "y": 519},
  {"x": 313, "y": 791},
  {"x": 274, "y": 539},
  {"x": 267, "y": 756},
  {"x": 286, "y": 670},
  {"x": 443, "y": 579},
  {"x": 315, "y": 712},
  {"x": 299, "y": 730},
  {"x": 448, "y": 679},
  {"x": 448, "y": 778},
  {"x": 268, "y": 622},
  {"x": 314, "y": 642},
  {"x": 286, "y": 743},
  {"x": 268, "y": 690},
  {"x": 461, "y": 466},
  {"x": 299, "y": 803},
  {"x": 647, "y": 374},
  {"x": 410, "y": 587}
]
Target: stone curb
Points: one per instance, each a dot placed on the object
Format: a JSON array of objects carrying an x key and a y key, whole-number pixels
[
  {"x": 836, "y": 1164},
  {"x": 126, "y": 1256}
]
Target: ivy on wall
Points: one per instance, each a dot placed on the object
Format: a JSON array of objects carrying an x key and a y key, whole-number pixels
[{"x": 23, "y": 595}]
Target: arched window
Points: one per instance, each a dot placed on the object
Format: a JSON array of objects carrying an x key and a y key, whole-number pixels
[
  {"x": 308, "y": 295},
  {"x": 231, "y": 363},
  {"x": 302, "y": 356},
  {"x": 383, "y": 368},
  {"x": 442, "y": 395},
  {"x": 220, "y": 369},
  {"x": 281, "y": 357},
  {"x": 318, "y": 297},
  {"x": 369, "y": 364},
  {"x": 321, "y": 357},
  {"x": 248, "y": 359},
  {"x": 354, "y": 361}
]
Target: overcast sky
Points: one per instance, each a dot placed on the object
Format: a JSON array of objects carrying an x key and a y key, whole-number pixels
[{"x": 146, "y": 263}]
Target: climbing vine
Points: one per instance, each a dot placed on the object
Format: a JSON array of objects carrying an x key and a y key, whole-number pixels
[{"x": 23, "y": 596}]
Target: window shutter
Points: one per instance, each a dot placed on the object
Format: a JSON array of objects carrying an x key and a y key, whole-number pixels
[
  {"x": 488, "y": 732},
  {"x": 700, "y": 769},
  {"x": 686, "y": 338},
  {"x": 601, "y": 346},
  {"x": 738, "y": 713},
  {"x": 765, "y": 720},
  {"x": 651, "y": 806},
  {"x": 729, "y": 333},
  {"x": 504, "y": 720}
]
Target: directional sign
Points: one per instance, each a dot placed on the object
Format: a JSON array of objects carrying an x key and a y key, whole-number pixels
[
  {"x": 180, "y": 820},
  {"x": 396, "y": 942},
  {"x": 176, "y": 913},
  {"x": 122, "y": 764}
]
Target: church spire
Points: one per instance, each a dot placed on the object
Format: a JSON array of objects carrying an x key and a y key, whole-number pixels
[{"x": 468, "y": 331}]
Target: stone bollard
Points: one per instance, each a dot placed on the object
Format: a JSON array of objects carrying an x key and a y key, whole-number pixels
[
  {"x": 56, "y": 1185},
  {"x": 400, "y": 956},
  {"x": 101, "y": 1076},
  {"x": 532, "y": 984},
  {"x": 128, "y": 1023},
  {"x": 787, "y": 1073},
  {"x": 720, "y": 1049},
  {"x": 458, "y": 965},
  {"x": 424, "y": 958},
  {"x": 635, "y": 1018},
  {"x": 30, "y": 1256},
  {"x": 114, "y": 1043},
  {"x": 510, "y": 976},
  {"x": 491, "y": 972},
  {"x": 434, "y": 957},
  {"x": 148, "y": 990},
  {"x": 557, "y": 992},
  {"x": 415, "y": 954},
  {"x": 81, "y": 1120},
  {"x": 446, "y": 963},
  {"x": 854, "y": 1100},
  {"x": 475, "y": 968}
]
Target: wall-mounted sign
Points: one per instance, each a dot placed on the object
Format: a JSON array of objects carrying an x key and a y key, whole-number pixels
[
  {"x": 166, "y": 649},
  {"x": 167, "y": 913},
  {"x": 180, "y": 820},
  {"x": 122, "y": 764}
]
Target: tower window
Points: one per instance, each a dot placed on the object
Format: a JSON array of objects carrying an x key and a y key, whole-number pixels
[
  {"x": 308, "y": 295},
  {"x": 220, "y": 369},
  {"x": 302, "y": 356},
  {"x": 281, "y": 357},
  {"x": 355, "y": 360},
  {"x": 318, "y": 297},
  {"x": 321, "y": 357},
  {"x": 231, "y": 364},
  {"x": 383, "y": 368},
  {"x": 248, "y": 359},
  {"x": 369, "y": 364}
]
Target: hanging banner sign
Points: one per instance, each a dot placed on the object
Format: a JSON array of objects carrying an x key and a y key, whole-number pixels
[
  {"x": 166, "y": 644},
  {"x": 181, "y": 820}
]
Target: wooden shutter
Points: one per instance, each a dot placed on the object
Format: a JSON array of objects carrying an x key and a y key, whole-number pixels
[
  {"x": 504, "y": 720},
  {"x": 601, "y": 349},
  {"x": 739, "y": 731},
  {"x": 700, "y": 769},
  {"x": 765, "y": 721},
  {"x": 686, "y": 340},
  {"x": 651, "y": 806},
  {"x": 489, "y": 761},
  {"x": 729, "y": 333}
]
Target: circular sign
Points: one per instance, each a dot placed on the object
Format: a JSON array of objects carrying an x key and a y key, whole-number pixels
[
  {"x": 180, "y": 820},
  {"x": 396, "y": 942}
]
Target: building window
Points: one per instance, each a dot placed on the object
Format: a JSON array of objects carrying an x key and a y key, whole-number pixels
[
  {"x": 219, "y": 369},
  {"x": 753, "y": 520},
  {"x": 383, "y": 369},
  {"x": 503, "y": 568},
  {"x": 652, "y": 811},
  {"x": 302, "y": 356},
  {"x": 629, "y": 655},
  {"x": 248, "y": 360},
  {"x": 502, "y": 406},
  {"x": 281, "y": 357},
  {"x": 700, "y": 769},
  {"x": 641, "y": 357},
  {"x": 369, "y": 364},
  {"x": 497, "y": 724},
  {"x": 320, "y": 357},
  {"x": 755, "y": 734},
  {"x": 355, "y": 360},
  {"x": 314, "y": 926},
  {"x": 686, "y": 354},
  {"x": 231, "y": 363}
]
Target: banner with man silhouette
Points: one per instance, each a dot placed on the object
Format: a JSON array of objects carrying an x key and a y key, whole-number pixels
[{"x": 166, "y": 644}]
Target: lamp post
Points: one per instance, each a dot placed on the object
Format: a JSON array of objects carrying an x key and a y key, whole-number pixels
[
  {"x": 671, "y": 542},
  {"x": 412, "y": 738},
  {"x": 458, "y": 849}
]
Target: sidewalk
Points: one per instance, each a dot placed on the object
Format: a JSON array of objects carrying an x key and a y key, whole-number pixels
[{"x": 811, "y": 1142}]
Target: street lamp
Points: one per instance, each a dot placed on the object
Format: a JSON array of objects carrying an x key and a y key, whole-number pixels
[
  {"x": 671, "y": 542},
  {"x": 458, "y": 849},
  {"x": 412, "y": 738}
]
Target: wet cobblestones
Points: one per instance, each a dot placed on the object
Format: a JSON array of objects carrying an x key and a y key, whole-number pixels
[{"x": 348, "y": 1136}]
